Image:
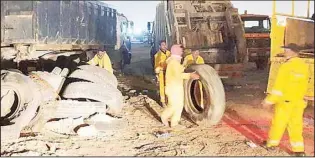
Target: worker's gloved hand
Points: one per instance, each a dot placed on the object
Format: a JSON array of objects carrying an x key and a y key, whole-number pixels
[
  {"x": 157, "y": 70},
  {"x": 308, "y": 98},
  {"x": 194, "y": 76}
]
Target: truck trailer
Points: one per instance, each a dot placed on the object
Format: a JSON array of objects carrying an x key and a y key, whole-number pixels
[{"x": 42, "y": 77}]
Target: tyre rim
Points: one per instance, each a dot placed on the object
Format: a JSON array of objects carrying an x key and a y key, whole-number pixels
[
  {"x": 7, "y": 102},
  {"x": 195, "y": 97}
]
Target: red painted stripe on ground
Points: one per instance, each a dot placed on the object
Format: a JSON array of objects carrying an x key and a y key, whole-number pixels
[
  {"x": 250, "y": 136},
  {"x": 256, "y": 134}
]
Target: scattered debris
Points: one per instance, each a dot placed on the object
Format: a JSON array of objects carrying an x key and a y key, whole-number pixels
[
  {"x": 249, "y": 95},
  {"x": 100, "y": 118},
  {"x": 162, "y": 134},
  {"x": 64, "y": 126},
  {"x": 76, "y": 147},
  {"x": 28, "y": 153},
  {"x": 251, "y": 144},
  {"x": 87, "y": 131},
  {"x": 237, "y": 87}
]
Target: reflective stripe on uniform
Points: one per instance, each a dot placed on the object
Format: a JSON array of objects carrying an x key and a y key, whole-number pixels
[
  {"x": 297, "y": 144},
  {"x": 297, "y": 147},
  {"x": 268, "y": 102},
  {"x": 276, "y": 92},
  {"x": 273, "y": 143}
]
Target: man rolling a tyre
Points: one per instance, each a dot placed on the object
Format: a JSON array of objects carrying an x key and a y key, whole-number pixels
[
  {"x": 174, "y": 88},
  {"x": 288, "y": 95},
  {"x": 102, "y": 60},
  {"x": 159, "y": 68},
  {"x": 195, "y": 58}
]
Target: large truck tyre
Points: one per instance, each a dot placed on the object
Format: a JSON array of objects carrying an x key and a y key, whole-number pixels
[
  {"x": 92, "y": 77},
  {"x": 19, "y": 102},
  {"x": 213, "y": 94},
  {"x": 106, "y": 94},
  {"x": 102, "y": 73}
]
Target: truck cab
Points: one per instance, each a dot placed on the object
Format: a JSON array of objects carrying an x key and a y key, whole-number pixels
[{"x": 257, "y": 33}]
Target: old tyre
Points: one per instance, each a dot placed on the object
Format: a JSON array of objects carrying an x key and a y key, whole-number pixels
[
  {"x": 213, "y": 94},
  {"x": 92, "y": 77},
  {"x": 105, "y": 93},
  {"x": 66, "y": 109},
  {"x": 17, "y": 94},
  {"x": 14, "y": 93},
  {"x": 102, "y": 73}
]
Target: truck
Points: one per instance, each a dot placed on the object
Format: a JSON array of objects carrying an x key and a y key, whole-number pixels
[
  {"x": 216, "y": 29},
  {"x": 43, "y": 44},
  {"x": 257, "y": 33},
  {"x": 290, "y": 28}
]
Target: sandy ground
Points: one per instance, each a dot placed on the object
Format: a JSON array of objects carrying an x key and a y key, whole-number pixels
[{"x": 134, "y": 132}]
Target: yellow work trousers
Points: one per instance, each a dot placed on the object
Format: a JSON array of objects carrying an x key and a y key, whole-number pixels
[
  {"x": 161, "y": 86},
  {"x": 201, "y": 94},
  {"x": 288, "y": 115},
  {"x": 175, "y": 105}
]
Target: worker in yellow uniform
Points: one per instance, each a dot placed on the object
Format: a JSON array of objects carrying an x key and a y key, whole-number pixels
[
  {"x": 288, "y": 94},
  {"x": 102, "y": 60},
  {"x": 174, "y": 89},
  {"x": 195, "y": 58},
  {"x": 160, "y": 66}
]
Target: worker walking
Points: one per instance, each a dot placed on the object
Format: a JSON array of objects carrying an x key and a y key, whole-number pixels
[
  {"x": 288, "y": 94},
  {"x": 191, "y": 59},
  {"x": 160, "y": 66},
  {"x": 102, "y": 60},
  {"x": 174, "y": 88}
]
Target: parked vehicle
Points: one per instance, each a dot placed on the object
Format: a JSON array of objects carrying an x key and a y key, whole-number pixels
[
  {"x": 41, "y": 76},
  {"x": 257, "y": 34}
]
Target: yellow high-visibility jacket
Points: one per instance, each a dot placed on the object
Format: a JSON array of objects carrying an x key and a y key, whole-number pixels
[
  {"x": 160, "y": 60},
  {"x": 291, "y": 82},
  {"x": 189, "y": 59},
  {"x": 103, "y": 62},
  {"x": 174, "y": 76}
]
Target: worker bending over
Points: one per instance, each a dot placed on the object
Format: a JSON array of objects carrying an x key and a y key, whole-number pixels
[
  {"x": 191, "y": 59},
  {"x": 160, "y": 66},
  {"x": 102, "y": 60},
  {"x": 288, "y": 94},
  {"x": 174, "y": 88}
]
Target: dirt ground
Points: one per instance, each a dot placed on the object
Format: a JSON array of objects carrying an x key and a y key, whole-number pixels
[{"x": 134, "y": 132}]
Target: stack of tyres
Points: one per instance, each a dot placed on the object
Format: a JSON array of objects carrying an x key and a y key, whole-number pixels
[{"x": 96, "y": 84}]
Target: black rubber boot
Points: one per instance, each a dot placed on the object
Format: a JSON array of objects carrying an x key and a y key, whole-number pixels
[{"x": 299, "y": 154}]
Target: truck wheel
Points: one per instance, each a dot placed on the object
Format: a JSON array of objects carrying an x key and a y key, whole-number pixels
[
  {"x": 100, "y": 72},
  {"x": 92, "y": 77},
  {"x": 107, "y": 94},
  {"x": 213, "y": 94}
]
